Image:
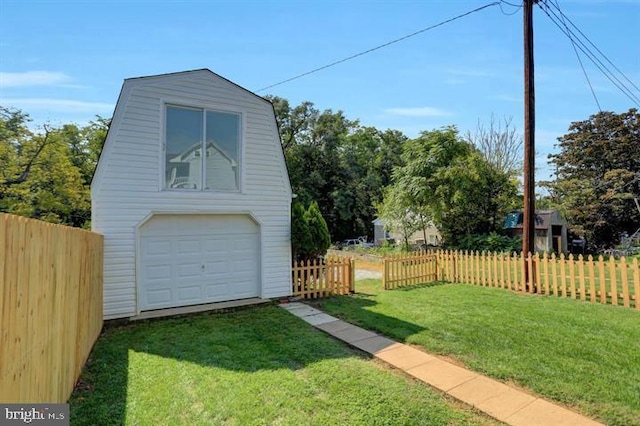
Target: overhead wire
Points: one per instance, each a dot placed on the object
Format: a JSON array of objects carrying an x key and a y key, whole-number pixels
[
  {"x": 575, "y": 49},
  {"x": 589, "y": 54},
  {"x": 596, "y": 47},
  {"x": 517, "y": 6},
  {"x": 496, "y": 3}
]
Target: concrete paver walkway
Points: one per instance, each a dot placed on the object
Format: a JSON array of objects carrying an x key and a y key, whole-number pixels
[{"x": 497, "y": 399}]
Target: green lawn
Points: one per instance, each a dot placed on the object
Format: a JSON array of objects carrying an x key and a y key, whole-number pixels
[
  {"x": 256, "y": 366},
  {"x": 583, "y": 355}
]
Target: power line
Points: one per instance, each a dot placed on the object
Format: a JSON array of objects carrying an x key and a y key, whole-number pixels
[
  {"x": 575, "y": 49},
  {"x": 517, "y": 6},
  {"x": 380, "y": 46},
  {"x": 592, "y": 56},
  {"x": 589, "y": 54},
  {"x": 596, "y": 47}
]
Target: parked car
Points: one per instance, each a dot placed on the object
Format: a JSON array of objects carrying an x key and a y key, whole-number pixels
[{"x": 352, "y": 243}]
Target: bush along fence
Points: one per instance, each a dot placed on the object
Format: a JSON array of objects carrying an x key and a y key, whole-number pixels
[
  {"x": 51, "y": 307},
  {"x": 323, "y": 277},
  {"x": 614, "y": 281}
]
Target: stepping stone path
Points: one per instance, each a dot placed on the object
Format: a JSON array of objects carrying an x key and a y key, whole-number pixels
[{"x": 498, "y": 400}]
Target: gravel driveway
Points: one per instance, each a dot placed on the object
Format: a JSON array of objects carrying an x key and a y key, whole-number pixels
[{"x": 363, "y": 274}]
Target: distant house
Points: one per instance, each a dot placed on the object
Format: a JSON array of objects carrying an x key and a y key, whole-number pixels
[
  {"x": 550, "y": 229},
  {"x": 192, "y": 195},
  {"x": 380, "y": 234}
]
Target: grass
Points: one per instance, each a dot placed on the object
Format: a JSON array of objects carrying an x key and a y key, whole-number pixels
[
  {"x": 251, "y": 367},
  {"x": 585, "y": 356}
]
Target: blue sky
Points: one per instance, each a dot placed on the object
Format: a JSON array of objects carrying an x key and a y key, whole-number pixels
[{"x": 64, "y": 61}]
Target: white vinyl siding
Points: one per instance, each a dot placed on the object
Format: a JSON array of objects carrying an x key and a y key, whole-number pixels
[{"x": 128, "y": 186}]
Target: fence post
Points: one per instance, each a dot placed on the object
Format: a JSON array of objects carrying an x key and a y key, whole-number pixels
[
  {"x": 352, "y": 283},
  {"x": 636, "y": 283}
]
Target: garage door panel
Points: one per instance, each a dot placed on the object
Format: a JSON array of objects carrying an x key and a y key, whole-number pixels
[
  {"x": 158, "y": 247},
  {"x": 217, "y": 292},
  {"x": 158, "y": 297},
  {"x": 243, "y": 288},
  {"x": 217, "y": 269},
  {"x": 189, "y": 293},
  {"x": 188, "y": 270},
  {"x": 193, "y": 259},
  {"x": 158, "y": 272},
  {"x": 187, "y": 247}
]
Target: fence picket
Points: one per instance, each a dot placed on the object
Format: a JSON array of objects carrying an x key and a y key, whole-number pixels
[
  {"x": 592, "y": 280},
  {"x": 613, "y": 281},
  {"x": 624, "y": 282},
  {"x": 603, "y": 280},
  {"x": 563, "y": 275},
  {"x": 583, "y": 288},
  {"x": 554, "y": 275},
  {"x": 545, "y": 274},
  {"x": 572, "y": 276},
  {"x": 636, "y": 283}
]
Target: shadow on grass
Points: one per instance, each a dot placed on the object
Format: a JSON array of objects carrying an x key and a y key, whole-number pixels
[
  {"x": 247, "y": 340},
  {"x": 358, "y": 309},
  {"x": 417, "y": 286}
]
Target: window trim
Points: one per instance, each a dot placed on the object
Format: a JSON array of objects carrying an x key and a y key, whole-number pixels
[{"x": 203, "y": 107}]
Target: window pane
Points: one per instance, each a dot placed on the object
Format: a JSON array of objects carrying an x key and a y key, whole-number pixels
[
  {"x": 223, "y": 145},
  {"x": 184, "y": 148}
]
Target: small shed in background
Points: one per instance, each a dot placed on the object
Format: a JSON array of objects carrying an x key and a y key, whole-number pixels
[{"x": 550, "y": 229}]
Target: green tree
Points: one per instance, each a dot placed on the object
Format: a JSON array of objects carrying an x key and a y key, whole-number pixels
[
  {"x": 447, "y": 179},
  {"x": 321, "y": 240},
  {"x": 48, "y": 175},
  {"x": 309, "y": 232},
  {"x": 399, "y": 215},
  {"x": 598, "y": 176},
  {"x": 301, "y": 237}
]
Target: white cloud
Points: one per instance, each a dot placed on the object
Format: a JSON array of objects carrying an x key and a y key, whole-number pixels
[
  {"x": 61, "y": 105},
  {"x": 33, "y": 78},
  {"x": 419, "y": 112}
]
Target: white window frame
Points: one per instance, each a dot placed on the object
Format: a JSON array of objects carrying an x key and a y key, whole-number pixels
[{"x": 203, "y": 108}]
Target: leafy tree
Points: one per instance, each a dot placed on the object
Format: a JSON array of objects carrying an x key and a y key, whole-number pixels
[
  {"x": 449, "y": 180},
  {"x": 337, "y": 163},
  {"x": 295, "y": 124},
  {"x": 399, "y": 215},
  {"x": 309, "y": 233},
  {"x": 20, "y": 149},
  {"x": 301, "y": 238},
  {"x": 319, "y": 231},
  {"x": 47, "y": 175},
  {"x": 598, "y": 176}
]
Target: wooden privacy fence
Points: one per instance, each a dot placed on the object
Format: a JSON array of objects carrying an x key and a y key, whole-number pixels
[
  {"x": 614, "y": 281},
  {"x": 51, "y": 301},
  {"x": 323, "y": 277},
  {"x": 409, "y": 269}
]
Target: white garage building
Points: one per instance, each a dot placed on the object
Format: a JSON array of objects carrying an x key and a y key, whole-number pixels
[{"x": 192, "y": 196}]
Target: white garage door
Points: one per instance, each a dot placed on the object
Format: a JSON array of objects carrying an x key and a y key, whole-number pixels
[{"x": 194, "y": 259}]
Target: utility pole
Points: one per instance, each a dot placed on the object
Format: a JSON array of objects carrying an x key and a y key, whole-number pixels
[{"x": 528, "y": 220}]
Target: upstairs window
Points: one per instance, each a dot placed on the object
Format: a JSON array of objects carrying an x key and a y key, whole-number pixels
[{"x": 202, "y": 149}]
